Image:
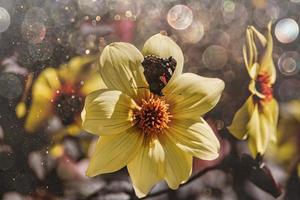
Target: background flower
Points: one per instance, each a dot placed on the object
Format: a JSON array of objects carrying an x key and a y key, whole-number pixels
[
  {"x": 61, "y": 92},
  {"x": 257, "y": 118}
]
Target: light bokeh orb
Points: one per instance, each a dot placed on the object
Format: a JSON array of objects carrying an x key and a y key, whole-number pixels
[
  {"x": 286, "y": 30},
  {"x": 262, "y": 16},
  {"x": 289, "y": 63},
  {"x": 92, "y": 7},
  {"x": 33, "y": 32},
  {"x": 214, "y": 57},
  {"x": 41, "y": 51},
  {"x": 11, "y": 86},
  {"x": 4, "y": 19},
  {"x": 180, "y": 17},
  {"x": 193, "y": 34},
  {"x": 289, "y": 89}
]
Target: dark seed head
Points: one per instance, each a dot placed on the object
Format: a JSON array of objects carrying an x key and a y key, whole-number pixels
[{"x": 68, "y": 104}]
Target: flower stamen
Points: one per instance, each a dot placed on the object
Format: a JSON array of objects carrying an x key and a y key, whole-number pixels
[
  {"x": 264, "y": 86},
  {"x": 153, "y": 116}
]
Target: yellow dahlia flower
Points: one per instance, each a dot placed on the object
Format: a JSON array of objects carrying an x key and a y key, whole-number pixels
[
  {"x": 149, "y": 118},
  {"x": 257, "y": 118},
  {"x": 61, "y": 92}
]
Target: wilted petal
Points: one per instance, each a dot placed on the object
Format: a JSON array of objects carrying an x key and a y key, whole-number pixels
[
  {"x": 191, "y": 95},
  {"x": 164, "y": 47},
  {"x": 108, "y": 112},
  {"x": 147, "y": 168},
  {"x": 121, "y": 69},
  {"x": 195, "y": 138},
  {"x": 250, "y": 53},
  {"x": 178, "y": 164},
  {"x": 266, "y": 61},
  {"x": 238, "y": 127},
  {"x": 114, "y": 152}
]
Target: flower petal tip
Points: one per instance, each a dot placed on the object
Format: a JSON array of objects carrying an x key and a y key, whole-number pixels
[{"x": 90, "y": 173}]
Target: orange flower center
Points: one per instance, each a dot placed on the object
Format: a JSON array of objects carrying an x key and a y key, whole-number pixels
[
  {"x": 68, "y": 102},
  {"x": 153, "y": 116},
  {"x": 264, "y": 86}
]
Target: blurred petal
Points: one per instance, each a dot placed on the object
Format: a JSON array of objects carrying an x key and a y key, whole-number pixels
[
  {"x": 147, "y": 168},
  {"x": 39, "y": 112},
  {"x": 238, "y": 127},
  {"x": 92, "y": 84},
  {"x": 78, "y": 68},
  {"x": 43, "y": 91},
  {"x": 107, "y": 112},
  {"x": 121, "y": 69},
  {"x": 191, "y": 95},
  {"x": 114, "y": 152},
  {"x": 46, "y": 84},
  {"x": 178, "y": 164},
  {"x": 271, "y": 111},
  {"x": 195, "y": 138},
  {"x": 21, "y": 109},
  {"x": 164, "y": 47}
]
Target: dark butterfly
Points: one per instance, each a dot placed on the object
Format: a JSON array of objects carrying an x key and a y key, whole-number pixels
[{"x": 158, "y": 72}]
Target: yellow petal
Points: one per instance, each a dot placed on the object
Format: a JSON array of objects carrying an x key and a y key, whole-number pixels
[
  {"x": 291, "y": 109},
  {"x": 121, "y": 69},
  {"x": 93, "y": 83},
  {"x": 238, "y": 127},
  {"x": 46, "y": 83},
  {"x": 178, "y": 164},
  {"x": 266, "y": 61},
  {"x": 57, "y": 150},
  {"x": 21, "y": 109},
  {"x": 39, "y": 112},
  {"x": 259, "y": 132},
  {"x": 107, "y": 112},
  {"x": 114, "y": 152},
  {"x": 147, "y": 168},
  {"x": 248, "y": 50},
  {"x": 191, "y": 95},
  {"x": 195, "y": 138},
  {"x": 78, "y": 68},
  {"x": 43, "y": 91},
  {"x": 164, "y": 47},
  {"x": 287, "y": 151},
  {"x": 271, "y": 111},
  {"x": 250, "y": 54}
]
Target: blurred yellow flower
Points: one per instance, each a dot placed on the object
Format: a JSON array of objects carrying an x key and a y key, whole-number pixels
[
  {"x": 61, "y": 92},
  {"x": 257, "y": 118},
  {"x": 287, "y": 149},
  {"x": 154, "y": 135}
]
